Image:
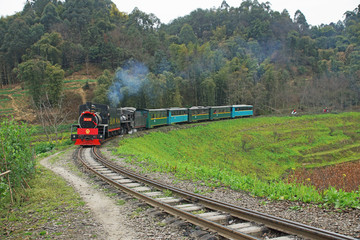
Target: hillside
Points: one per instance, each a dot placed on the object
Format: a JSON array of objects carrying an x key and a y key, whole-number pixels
[
  {"x": 16, "y": 101},
  {"x": 247, "y": 54},
  {"x": 260, "y": 155}
]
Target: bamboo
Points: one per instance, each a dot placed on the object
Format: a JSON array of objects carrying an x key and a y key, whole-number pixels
[
  {"x": 26, "y": 183},
  {"x": 11, "y": 194},
  {"x": 4, "y": 173}
]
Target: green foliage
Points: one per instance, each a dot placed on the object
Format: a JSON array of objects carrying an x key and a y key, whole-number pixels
[
  {"x": 15, "y": 154},
  {"x": 253, "y": 154},
  {"x": 44, "y": 80},
  {"x": 44, "y": 147},
  {"x": 48, "y": 48},
  {"x": 248, "y": 54}
]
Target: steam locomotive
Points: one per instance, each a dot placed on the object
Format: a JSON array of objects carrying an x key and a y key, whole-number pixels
[{"x": 98, "y": 122}]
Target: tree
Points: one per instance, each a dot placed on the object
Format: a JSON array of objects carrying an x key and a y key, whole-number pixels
[
  {"x": 44, "y": 80},
  {"x": 103, "y": 84},
  {"x": 300, "y": 20},
  {"x": 49, "y": 16},
  {"x": 208, "y": 87},
  {"x": 187, "y": 35},
  {"x": 48, "y": 48}
]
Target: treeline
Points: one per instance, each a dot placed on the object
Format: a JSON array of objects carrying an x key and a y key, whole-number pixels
[{"x": 248, "y": 54}]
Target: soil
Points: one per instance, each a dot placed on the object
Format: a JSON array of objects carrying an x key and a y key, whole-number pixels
[{"x": 344, "y": 176}]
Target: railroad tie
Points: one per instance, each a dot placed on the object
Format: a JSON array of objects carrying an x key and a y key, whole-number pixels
[
  {"x": 249, "y": 228},
  {"x": 142, "y": 189},
  {"x": 189, "y": 207},
  {"x": 215, "y": 217},
  {"x": 169, "y": 200},
  {"x": 132, "y": 185},
  {"x": 99, "y": 167},
  {"x": 124, "y": 180},
  {"x": 153, "y": 194},
  {"x": 105, "y": 171},
  {"x": 116, "y": 177},
  {"x": 290, "y": 237}
]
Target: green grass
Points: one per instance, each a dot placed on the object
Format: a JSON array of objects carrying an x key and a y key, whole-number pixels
[
  {"x": 50, "y": 200},
  {"x": 252, "y": 154}
]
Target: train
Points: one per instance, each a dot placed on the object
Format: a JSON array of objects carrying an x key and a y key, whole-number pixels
[{"x": 98, "y": 122}]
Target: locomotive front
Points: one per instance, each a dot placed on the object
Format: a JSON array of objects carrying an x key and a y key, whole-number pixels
[{"x": 92, "y": 124}]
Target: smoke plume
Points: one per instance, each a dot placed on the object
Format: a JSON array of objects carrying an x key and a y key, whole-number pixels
[{"x": 128, "y": 81}]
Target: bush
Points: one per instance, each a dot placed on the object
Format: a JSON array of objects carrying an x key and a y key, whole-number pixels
[
  {"x": 44, "y": 147},
  {"x": 15, "y": 154}
]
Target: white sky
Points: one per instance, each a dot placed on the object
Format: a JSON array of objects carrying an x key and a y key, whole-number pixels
[{"x": 315, "y": 11}]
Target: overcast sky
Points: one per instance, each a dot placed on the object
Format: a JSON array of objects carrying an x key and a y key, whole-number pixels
[{"x": 315, "y": 11}]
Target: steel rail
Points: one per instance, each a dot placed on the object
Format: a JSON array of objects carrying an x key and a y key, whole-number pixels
[
  {"x": 199, "y": 221},
  {"x": 272, "y": 222}
]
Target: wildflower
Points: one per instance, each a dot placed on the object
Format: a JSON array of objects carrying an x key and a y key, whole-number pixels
[
  {"x": 344, "y": 175},
  {"x": 308, "y": 179}
]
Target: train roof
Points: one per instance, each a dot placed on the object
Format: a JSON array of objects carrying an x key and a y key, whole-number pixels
[
  {"x": 199, "y": 107},
  {"x": 156, "y": 110},
  {"x": 177, "y": 109},
  {"x": 221, "y": 106},
  {"x": 242, "y": 105}
]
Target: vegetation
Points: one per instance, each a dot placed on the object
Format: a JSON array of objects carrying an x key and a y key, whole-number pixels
[
  {"x": 50, "y": 201},
  {"x": 258, "y": 154},
  {"x": 244, "y": 54},
  {"x": 16, "y": 155}
]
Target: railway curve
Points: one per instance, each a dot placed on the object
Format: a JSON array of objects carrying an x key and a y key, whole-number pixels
[{"x": 227, "y": 220}]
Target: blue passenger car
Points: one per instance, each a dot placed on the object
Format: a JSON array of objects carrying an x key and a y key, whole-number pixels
[
  {"x": 177, "y": 115},
  {"x": 241, "y": 110}
]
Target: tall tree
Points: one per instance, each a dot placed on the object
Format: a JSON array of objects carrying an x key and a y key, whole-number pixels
[{"x": 44, "y": 80}]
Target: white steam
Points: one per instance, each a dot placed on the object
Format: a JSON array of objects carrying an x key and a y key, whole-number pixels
[{"x": 128, "y": 81}]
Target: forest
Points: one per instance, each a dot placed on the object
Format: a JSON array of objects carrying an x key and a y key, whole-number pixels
[{"x": 248, "y": 54}]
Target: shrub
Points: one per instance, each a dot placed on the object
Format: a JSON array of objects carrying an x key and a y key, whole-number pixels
[{"x": 15, "y": 154}]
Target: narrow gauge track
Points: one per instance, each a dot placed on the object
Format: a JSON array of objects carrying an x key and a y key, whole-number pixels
[{"x": 227, "y": 220}]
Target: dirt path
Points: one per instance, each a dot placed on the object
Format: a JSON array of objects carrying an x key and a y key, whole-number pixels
[{"x": 104, "y": 208}]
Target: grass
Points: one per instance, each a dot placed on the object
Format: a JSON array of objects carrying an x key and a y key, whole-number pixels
[
  {"x": 254, "y": 154},
  {"x": 50, "y": 201}
]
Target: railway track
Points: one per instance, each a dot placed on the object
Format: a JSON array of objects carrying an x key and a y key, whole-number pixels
[{"x": 227, "y": 220}]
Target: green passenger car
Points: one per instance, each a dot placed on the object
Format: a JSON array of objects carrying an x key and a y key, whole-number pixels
[
  {"x": 219, "y": 112},
  {"x": 156, "y": 117},
  {"x": 199, "y": 114}
]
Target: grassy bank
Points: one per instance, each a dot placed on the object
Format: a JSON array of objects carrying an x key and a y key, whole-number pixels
[
  {"x": 46, "y": 211},
  {"x": 254, "y": 154}
]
